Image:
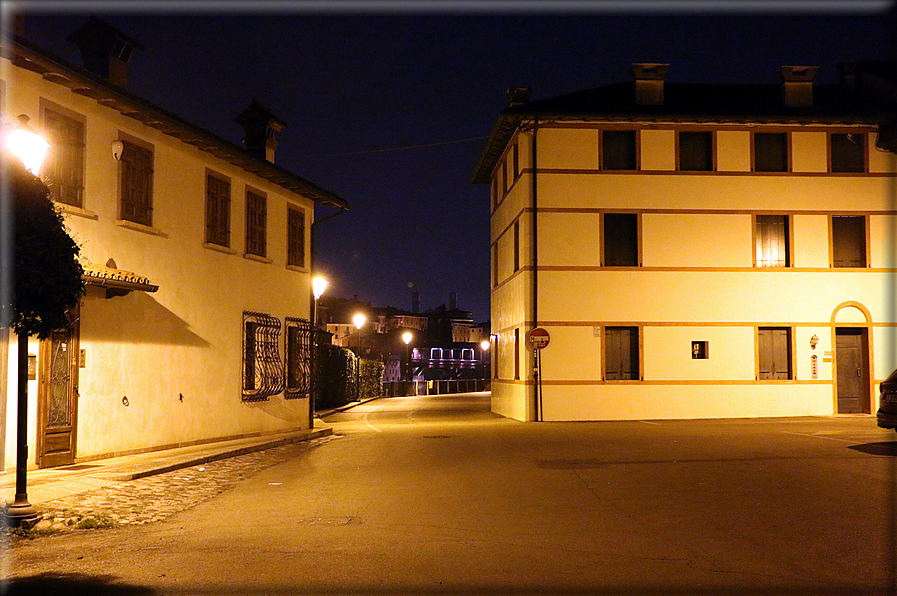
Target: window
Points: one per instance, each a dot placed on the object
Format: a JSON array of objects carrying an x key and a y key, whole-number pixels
[
  {"x": 263, "y": 374},
  {"x": 297, "y": 354},
  {"x": 136, "y": 184},
  {"x": 217, "y": 211},
  {"x": 295, "y": 237},
  {"x": 848, "y": 152},
  {"x": 770, "y": 152},
  {"x": 621, "y": 353},
  {"x": 515, "y": 156},
  {"x": 696, "y": 151},
  {"x": 618, "y": 150},
  {"x": 63, "y": 171},
  {"x": 772, "y": 247},
  {"x": 516, "y": 353},
  {"x": 699, "y": 350},
  {"x": 620, "y": 239},
  {"x": 256, "y": 224},
  {"x": 517, "y": 245},
  {"x": 774, "y": 350},
  {"x": 848, "y": 241},
  {"x": 495, "y": 265}
]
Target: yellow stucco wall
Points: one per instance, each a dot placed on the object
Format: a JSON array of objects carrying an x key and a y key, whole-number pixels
[{"x": 176, "y": 353}]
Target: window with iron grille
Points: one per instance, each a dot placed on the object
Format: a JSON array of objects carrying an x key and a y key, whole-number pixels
[
  {"x": 63, "y": 171},
  {"x": 774, "y": 351},
  {"x": 770, "y": 152},
  {"x": 618, "y": 150},
  {"x": 772, "y": 249},
  {"x": 298, "y": 356},
  {"x": 217, "y": 211},
  {"x": 621, "y": 354},
  {"x": 136, "y": 184},
  {"x": 256, "y": 224},
  {"x": 848, "y": 152},
  {"x": 696, "y": 151},
  {"x": 263, "y": 371},
  {"x": 295, "y": 237}
]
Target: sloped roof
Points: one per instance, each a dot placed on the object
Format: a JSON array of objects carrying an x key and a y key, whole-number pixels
[
  {"x": 84, "y": 82},
  {"x": 683, "y": 102}
]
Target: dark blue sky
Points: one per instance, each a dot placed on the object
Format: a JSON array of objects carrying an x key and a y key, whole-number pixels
[{"x": 353, "y": 84}]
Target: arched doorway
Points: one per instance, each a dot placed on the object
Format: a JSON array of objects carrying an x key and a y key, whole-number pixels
[{"x": 852, "y": 365}]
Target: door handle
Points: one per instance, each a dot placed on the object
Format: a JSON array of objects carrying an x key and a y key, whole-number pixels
[{"x": 859, "y": 372}]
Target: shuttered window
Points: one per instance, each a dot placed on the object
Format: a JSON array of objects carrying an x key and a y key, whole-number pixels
[
  {"x": 516, "y": 353},
  {"x": 621, "y": 354},
  {"x": 256, "y": 224},
  {"x": 848, "y": 152},
  {"x": 848, "y": 241},
  {"x": 620, "y": 239},
  {"x": 618, "y": 150},
  {"x": 770, "y": 152},
  {"x": 136, "y": 184},
  {"x": 517, "y": 245},
  {"x": 772, "y": 249},
  {"x": 774, "y": 353},
  {"x": 217, "y": 211},
  {"x": 696, "y": 151},
  {"x": 295, "y": 237},
  {"x": 63, "y": 170}
]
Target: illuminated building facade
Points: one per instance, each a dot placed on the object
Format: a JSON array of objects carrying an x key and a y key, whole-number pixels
[
  {"x": 695, "y": 250},
  {"x": 195, "y": 325}
]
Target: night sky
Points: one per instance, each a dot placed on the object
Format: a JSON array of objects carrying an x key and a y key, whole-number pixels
[{"x": 354, "y": 84}]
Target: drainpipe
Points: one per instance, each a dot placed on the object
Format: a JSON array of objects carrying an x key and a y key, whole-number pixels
[
  {"x": 535, "y": 263},
  {"x": 314, "y": 324}
]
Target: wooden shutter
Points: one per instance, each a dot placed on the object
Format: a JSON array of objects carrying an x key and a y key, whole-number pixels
[
  {"x": 848, "y": 152},
  {"x": 621, "y": 353},
  {"x": 774, "y": 353},
  {"x": 696, "y": 151},
  {"x": 618, "y": 150},
  {"x": 772, "y": 241},
  {"x": 770, "y": 152},
  {"x": 621, "y": 240},
  {"x": 849, "y": 241}
]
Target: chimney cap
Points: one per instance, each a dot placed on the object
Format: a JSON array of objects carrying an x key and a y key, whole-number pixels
[
  {"x": 96, "y": 36},
  {"x": 649, "y": 71},
  {"x": 256, "y": 112},
  {"x": 518, "y": 95},
  {"x": 798, "y": 74}
]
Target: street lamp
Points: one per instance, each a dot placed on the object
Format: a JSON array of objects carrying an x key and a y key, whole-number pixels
[
  {"x": 358, "y": 320},
  {"x": 26, "y": 144},
  {"x": 484, "y": 347},
  {"x": 318, "y": 285},
  {"x": 407, "y": 337}
]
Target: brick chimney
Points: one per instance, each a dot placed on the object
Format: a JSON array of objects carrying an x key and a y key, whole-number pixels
[
  {"x": 261, "y": 128},
  {"x": 797, "y": 85},
  {"x": 105, "y": 50},
  {"x": 648, "y": 86}
]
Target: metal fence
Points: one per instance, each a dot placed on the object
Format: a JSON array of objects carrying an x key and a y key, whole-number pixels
[{"x": 442, "y": 387}]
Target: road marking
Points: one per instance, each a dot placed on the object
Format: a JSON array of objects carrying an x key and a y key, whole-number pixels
[
  {"x": 366, "y": 420},
  {"x": 815, "y": 436}
]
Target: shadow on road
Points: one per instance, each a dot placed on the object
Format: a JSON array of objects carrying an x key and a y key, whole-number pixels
[
  {"x": 71, "y": 584},
  {"x": 884, "y": 448}
]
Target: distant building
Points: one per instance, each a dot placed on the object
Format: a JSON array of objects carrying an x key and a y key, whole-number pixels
[
  {"x": 695, "y": 250},
  {"x": 196, "y": 252}
]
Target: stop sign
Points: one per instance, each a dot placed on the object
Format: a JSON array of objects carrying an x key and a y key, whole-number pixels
[{"x": 538, "y": 338}]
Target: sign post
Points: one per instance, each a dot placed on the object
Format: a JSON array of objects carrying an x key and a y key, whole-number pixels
[{"x": 538, "y": 339}]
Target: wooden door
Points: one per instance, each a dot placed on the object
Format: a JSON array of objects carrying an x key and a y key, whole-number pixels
[
  {"x": 852, "y": 369},
  {"x": 58, "y": 399}
]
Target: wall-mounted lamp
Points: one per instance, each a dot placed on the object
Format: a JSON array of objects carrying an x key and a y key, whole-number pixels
[
  {"x": 118, "y": 148},
  {"x": 814, "y": 341}
]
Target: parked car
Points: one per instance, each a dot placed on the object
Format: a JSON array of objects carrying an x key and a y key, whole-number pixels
[{"x": 887, "y": 409}]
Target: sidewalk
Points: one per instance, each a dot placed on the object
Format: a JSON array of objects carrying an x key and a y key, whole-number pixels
[{"x": 54, "y": 483}]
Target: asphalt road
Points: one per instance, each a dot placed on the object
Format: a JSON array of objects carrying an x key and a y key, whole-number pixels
[{"x": 439, "y": 496}]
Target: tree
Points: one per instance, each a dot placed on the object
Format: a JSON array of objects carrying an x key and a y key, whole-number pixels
[
  {"x": 47, "y": 285},
  {"x": 47, "y": 273}
]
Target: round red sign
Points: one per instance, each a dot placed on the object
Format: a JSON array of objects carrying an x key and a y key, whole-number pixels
[{"x": 538, "y": 338}]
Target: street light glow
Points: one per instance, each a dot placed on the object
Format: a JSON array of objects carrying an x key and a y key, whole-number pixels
[
  {"x": 407, "y": 337},
  {"x": 359, "y": 320},
  {"x": 26, "y": 144},
  {"x": 318, "y": 285},
  {"x": 485, "y": 345}
]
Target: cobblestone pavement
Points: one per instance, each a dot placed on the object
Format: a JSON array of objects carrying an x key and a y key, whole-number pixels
[{"x": 155, "y": 498}]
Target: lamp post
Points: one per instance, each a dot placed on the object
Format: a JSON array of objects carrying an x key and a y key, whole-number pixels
[
  {"x": 318, "y": 285},
  {"x": 26, "y": 144},
  {"x": 407, "y": 337},
  {"x": 358, "y": 320},
  {"x": 484, "y": 347}
]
